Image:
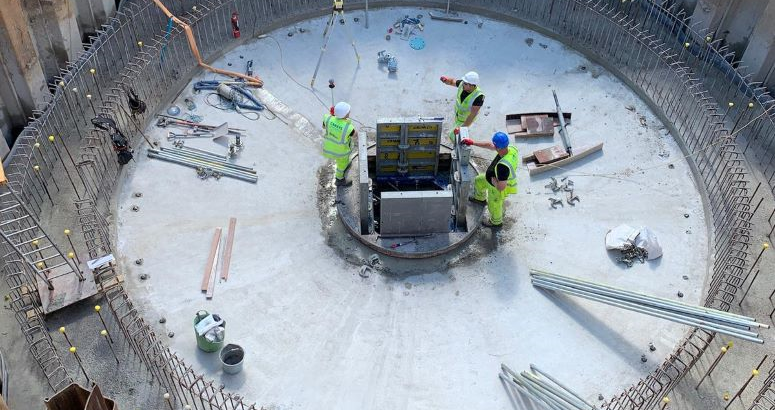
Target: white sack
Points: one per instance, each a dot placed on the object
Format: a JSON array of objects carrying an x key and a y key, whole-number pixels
[
  {"x": 621, "y": 237},
  {"x": 647, "y": 240}
]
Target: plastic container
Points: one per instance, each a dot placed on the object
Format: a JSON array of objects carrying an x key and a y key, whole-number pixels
[
  {"x": 201, "y": 341},
  {"x": 232, "y": 357}
]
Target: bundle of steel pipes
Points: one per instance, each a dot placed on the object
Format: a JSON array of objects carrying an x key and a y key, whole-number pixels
[
  {"x": 544, "y": 389},
  {"x": 712, "y": 320},
  {"x": 204, "y": 160}
]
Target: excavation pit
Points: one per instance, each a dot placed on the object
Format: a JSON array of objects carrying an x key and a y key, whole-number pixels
[{"x": 329, "y": 338}]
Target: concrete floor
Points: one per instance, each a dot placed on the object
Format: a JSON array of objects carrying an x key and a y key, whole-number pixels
[{"x": 428, "y": 334}]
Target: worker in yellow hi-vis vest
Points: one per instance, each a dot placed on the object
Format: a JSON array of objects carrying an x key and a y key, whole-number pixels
[
  {"x": 337, "y": 143},
  {"x": 500, "y": 179},
  {"x": 468, "y": 101}
]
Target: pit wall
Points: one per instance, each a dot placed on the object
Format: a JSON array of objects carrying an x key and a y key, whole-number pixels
[{"x": 676, "y": 69}]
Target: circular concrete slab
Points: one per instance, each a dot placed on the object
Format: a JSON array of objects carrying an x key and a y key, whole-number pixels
[
  {"x": 404, "y": 246},
  {"x": 427, "y": 334}
]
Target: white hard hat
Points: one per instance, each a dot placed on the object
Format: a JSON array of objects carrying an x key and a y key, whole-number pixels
[
  {"x": 341, "y": 109},
  {"x": 471, "y": 77}
]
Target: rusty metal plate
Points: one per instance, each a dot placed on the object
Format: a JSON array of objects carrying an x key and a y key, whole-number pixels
[
  {"x": 538, "y": 124},
  {"x": 68, "y": 289},
  {"x": 551, "y": 154}
]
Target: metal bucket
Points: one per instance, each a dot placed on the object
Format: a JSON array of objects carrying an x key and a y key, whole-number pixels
[{"x": 231, "y": 358}]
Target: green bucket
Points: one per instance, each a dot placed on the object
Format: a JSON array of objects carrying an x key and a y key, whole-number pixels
[{"x": 201, "y": 341}]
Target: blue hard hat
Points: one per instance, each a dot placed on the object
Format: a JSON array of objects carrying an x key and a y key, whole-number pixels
[{"x": 500, "y": 140}]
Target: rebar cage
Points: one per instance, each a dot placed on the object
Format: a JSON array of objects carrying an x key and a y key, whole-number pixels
[{"x": 683, "y": 73}]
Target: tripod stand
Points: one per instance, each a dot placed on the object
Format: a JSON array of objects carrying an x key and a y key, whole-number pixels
[{"x": 337, "y": 11}]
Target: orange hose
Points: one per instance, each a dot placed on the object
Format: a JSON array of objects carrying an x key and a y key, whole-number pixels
[{"x": 252, "y": 81}]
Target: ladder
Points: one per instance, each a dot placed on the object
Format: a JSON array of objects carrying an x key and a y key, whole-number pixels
[
  {"x": 31, "y": 247},
  {"x": 24, "y": 234}
]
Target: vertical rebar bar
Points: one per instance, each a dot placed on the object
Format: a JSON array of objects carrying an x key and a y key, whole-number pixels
[
  {"x": 754, "y": 373},
  {"x": 98, "y": 309},
  {"x": 753, "y": 265},
  {"x": 715, "y": 363},
  {"x": 72, "y": 246},
  {"x": 74, "y": 351},
  {"x": 104, "y": 333},
  {"x": 62, "y": 331}
]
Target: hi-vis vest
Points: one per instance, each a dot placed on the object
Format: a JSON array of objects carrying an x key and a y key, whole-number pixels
[
  {"x": 336, "y": 143},
  {"x": 463, "y": 109},
  {"x": 510, "y": 160}
]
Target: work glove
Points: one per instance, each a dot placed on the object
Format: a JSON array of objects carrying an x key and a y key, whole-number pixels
[
  {"x": 456, "y": 131},
  {"x": 444, "y": 79},
  {"x": 467, "y": 141},
  {"x": 331, "y": 110}
]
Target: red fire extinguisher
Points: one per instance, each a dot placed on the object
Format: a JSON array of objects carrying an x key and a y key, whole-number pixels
[{"x": 235, "y": 24}]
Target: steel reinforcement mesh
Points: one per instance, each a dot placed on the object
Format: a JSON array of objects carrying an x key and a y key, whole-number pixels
[{"x": 682, "y": 73}]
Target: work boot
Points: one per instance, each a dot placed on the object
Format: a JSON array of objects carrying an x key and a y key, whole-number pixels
[
  {"x": 489, "y": 224},
  {"x": 343, "y": 182},
  {"x": 477, "y": 201}
]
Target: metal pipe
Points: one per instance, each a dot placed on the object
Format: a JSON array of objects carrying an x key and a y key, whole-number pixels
[
  {"x": 731, "y": 321},
  {"x": 203, "y": 155},
  {"x": 199, "y": 153},
  {"x": 523, "y": 391},
  {"x": 205, "y": 164},
  {"x": 563, "y": 129},
  {"x": 554, "y": 396},
  {"x": 555, "y": 381},
  {"x": 644, "y": 309},
  {"x": 214, "y": 161},
  {"x": 550, "y": 395},
  {"x": 536, "y": 394},
  {"x": 192, "y": 164},
  {"x": 187, "y": 148},
  {"x": 552, "y": 276},
  {"x": 558, "y": 392},
  {"x": 745, "y": 335}
]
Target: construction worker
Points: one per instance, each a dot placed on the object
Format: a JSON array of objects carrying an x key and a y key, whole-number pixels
[
  {"x": 500, "y": 179},
  {"x": 337, "y": 143},
  {"x": 468, "y": 102}
]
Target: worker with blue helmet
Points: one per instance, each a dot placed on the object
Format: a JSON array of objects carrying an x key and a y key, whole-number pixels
[{"x": 499, "y": 181}]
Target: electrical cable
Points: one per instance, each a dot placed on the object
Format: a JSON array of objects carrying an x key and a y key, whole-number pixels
[
  {"x": 226, "y": 105},
  {"x": 282, "y": 66},
  {"x": 236, "y": 94},
  {"x": 363, "y": 127}
]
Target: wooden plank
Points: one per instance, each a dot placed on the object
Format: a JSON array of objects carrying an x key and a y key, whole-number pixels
[
  {"x": 578, "y": 153},
  {"x": 213, "y": 275},
  {"x": 227, "y": 250},
  {"x": 211, "y": 259}
]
